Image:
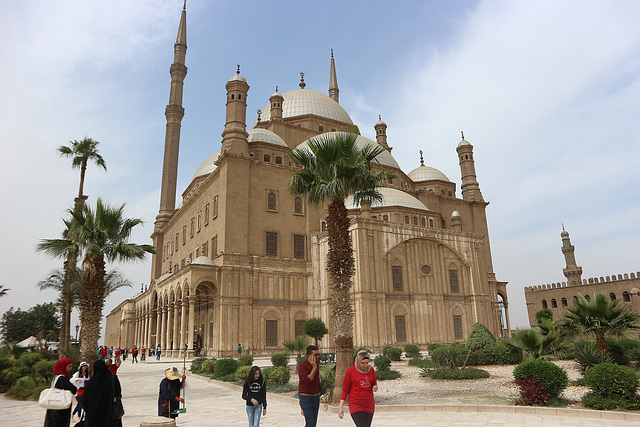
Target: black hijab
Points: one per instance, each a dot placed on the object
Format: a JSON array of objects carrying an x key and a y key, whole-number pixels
[{"x": 98, "y": 396}]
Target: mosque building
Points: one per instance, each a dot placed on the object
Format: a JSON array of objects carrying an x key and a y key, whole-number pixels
[
  {"x": 241, "y": 261},
  {"x": 558, "y": 296}
]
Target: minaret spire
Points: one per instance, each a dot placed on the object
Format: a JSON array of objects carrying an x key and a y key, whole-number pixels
[
  {"x": 174, "y": 113},
  {"x": 334, "y": 92},
  {"x": 572, "y": 272}
]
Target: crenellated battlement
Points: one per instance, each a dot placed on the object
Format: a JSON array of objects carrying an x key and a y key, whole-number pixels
[{"x": 590, "y": 281}]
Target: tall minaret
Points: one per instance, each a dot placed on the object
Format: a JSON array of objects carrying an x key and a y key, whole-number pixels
[
  {"x": 470, "y": 187},
  {"x": 235, "y": 136},
  {"x": 381, "y": 133},
  {"x": 572, "y": 272},
  {"x": 334, "y": 92},
  {"x": 174, "y": 113}
]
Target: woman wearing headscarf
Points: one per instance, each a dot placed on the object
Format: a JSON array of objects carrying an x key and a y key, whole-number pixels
[
  {"x": 169, "y": 398},
  {"x": 360, "y": 383},
  {"x": 98, "y": 396},
  {"x": 61, "y": 417}
]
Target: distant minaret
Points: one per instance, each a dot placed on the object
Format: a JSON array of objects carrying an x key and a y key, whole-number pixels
[
  {"x": 572, "y": 272},
  {"x": 334, "y": 92},
  {"x": 276, "y": 101},
  {"x": 381, "y": 133},
  {"x": 235, "y": 137},
  {"x": 470, "y": 187},
  {"x": 174, "y": 113}
]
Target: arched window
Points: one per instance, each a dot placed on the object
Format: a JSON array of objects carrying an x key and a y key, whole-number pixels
[
  {"x": 267, "y": 158},
  {"x": 415, "y": 220},
  {"x": 424, "y": 222},
  {"x": 374, "y": 217},
  {"x": 564, "y": 302},
  {"x": 626, "y": 297},
  {"x": 587, "y": 297},
  {"x": 554, "y": 304},
  {"x": 430, "y": 222},
  {"x": 544, "y": 303},
  {"x": 323, "y": 226},
  {"x": 278, "y": 160},
  {"x": 575, "y": 299},
  {"x": 320, "y": 129},
  {"x": 385, "y": 217},
  {"x": 298, "y": 205},
  {"x": 271, "y": 202},
  {"x": 406, "y": 219},
  {"x": 612, "y": 296}
]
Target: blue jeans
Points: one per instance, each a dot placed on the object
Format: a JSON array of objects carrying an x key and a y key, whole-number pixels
[
  {"x": 310, "y": 405},
  {"x": 78, "y": 409},
  {"x": 254, "y": 412}
]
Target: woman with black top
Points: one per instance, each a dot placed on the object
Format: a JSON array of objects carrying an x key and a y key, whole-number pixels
[
  {"x": 61, "y": 417},
  {"x": 254, "y": 391},
  {"x": 98, "y": 396}
]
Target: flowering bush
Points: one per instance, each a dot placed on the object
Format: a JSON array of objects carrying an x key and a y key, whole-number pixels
[
  {"x": 607, "y": 379},
  {"x": 531, "y": 393},
  {"x": 549, "y": 375}
]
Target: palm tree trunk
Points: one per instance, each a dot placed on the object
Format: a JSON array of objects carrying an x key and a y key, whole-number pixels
[
  {"x": 92, "y": 304},
  {"x": 601, "y": 344},
  {"x": 340, "y": 265},
  {"x": 63, "y": 346}
]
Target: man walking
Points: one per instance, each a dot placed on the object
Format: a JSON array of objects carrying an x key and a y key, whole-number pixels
[
  {"x": 309, "y": 389},
  {"x": 158, "y": 351},
  {"x": 134, "y": 355}
]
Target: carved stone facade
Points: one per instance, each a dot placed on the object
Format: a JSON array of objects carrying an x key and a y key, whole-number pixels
[{"x": 241, "y": 261}]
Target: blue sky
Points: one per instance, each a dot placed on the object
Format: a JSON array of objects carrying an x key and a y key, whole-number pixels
[{"x": 547, "y": 92}]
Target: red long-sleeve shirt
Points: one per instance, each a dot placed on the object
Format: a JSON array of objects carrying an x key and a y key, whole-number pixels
[
  {"x": 308, "y": 386},
  {"x": 359, "y": 388}
]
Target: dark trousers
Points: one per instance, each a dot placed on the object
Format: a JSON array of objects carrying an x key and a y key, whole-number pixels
[
  {"x": 78, "y": 409},
  {"x": 362, "y": 419},
  {"x": 310, "y": 405},
  {"x": 134, "y": 359}
]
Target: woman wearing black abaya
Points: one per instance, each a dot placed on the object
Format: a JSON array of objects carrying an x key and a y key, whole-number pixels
[{"x": 98, "y": 397}]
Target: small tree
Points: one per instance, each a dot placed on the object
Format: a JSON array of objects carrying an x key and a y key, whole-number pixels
[
  {"x": 480, "y": 337},
  {"x": 544, "y": 314},
  {"x": 297, "y": 345},
  {"x": 315, "y": 328}
]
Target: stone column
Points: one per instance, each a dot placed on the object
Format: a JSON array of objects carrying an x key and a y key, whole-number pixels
[
  {"x": 192, "y": 325},
  {"x": 147, "y": 329},
  {"x": 163, "y": 327},
  {"x": 176, "y": 323},
  {"x": 167, "y": 332},
  {"x": 183, "y": 324},
  {"x": 158, "y": 324}
]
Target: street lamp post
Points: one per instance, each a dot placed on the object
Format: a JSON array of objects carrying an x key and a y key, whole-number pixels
[{"x": 77, "y": 329}]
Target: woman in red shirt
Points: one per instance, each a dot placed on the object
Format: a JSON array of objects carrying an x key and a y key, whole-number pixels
[{"x": 359, "y": 384}]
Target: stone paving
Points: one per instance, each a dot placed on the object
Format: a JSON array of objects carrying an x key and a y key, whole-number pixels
[{"x": 213, "y": 404}]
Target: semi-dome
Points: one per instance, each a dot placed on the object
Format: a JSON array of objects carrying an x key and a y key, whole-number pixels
[
  {"x": 300, "y": 102},
  {"x": 426, "y": 173},
  {"x": 264, "y": 135},
  {"x": 208, "y": 166},
  {"x": 385, "y": 158},
  {"x": 463, "y": 143},
  {"x": 237, "y": 77},
  {"x": 391, "y": 197},
  {"x": 203, "y": 260}
]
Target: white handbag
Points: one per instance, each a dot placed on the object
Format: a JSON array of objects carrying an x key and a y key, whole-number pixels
[{"x": 55, "y": 398}]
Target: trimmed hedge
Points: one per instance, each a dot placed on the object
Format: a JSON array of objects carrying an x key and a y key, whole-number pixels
[
  {"x": 444, "y": 373},
  {"x": 276, "y": 375},
  {"x": 609, "y": 380},
  {"x": 224, "y": 367},
  {"x": 242, "y": 373},
  {"x": 388, "y": 374},
  {"x": 196, "y": 364},
  {"x": 549, "y": 375},
  {"x": 595, "y": 401},
  {"x": 245, "y": 360},
  {"x": 382, "y": 363},
  {"x": 393, "y": 353},
  {"x": 280, "y": 359},
  {"x": 208, "y": 366},
  {"x": 411, "y": 351}
]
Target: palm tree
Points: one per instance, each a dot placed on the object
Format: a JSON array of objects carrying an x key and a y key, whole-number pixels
[
  {"x": 81, "y": 152},
  {"x": 3, "y": 291},
  {"x": 601, "y": 317},
  {"x": 533, "y": 343},
  {"x": 99, "y": 235},
  {"x": 334, "y": 167}
]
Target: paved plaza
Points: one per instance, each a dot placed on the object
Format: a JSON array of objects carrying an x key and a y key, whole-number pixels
[{"x": 212, "y": 404}]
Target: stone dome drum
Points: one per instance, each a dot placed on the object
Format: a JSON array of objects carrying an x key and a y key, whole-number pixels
[
  {"x": 391, "y": 197},
  {"x": 264, "y": 135},
  {"x": 300, "y": 102}
]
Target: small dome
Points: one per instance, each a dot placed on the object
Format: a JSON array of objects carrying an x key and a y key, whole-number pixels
[
  {"x": 237, "y": 77},
  {"x": 391, "y": 197},
  {"x": 455, "y": 214},
  {"x": 264, "y": 135},
  {"x": 426, "y": 173},
  {"x": 564, "y": 234},
  {"x": 380, "y": 123},
  {"x": 385, "y": 158},
  {"x": 207, "y": 166},
  {"x": 203, "y": 260},
  {"x": 463, "y": 143},
  {"x": 300, "y": 102},
  {"x": 276, "y": 95}
]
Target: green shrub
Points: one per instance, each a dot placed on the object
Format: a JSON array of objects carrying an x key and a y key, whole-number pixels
[
  {"x": 30, "y": 359},
  {"x": 328, "y": 379},
  {"x": 444, "y": 373},
  {"x": 208, "y": 366},
  {"x": 242, "y": 373},
  {"x": 229, "y": 378},
  {"x": 618, "y": 354},
  {"x": 549, "y": 375},
  {"x": 631, "y": 348},
  {"x": 595, "y": 401},
  {"x": 454, "y": 354},
  {"x": 280, "y": 359},
  {"x": 26, "y": 388},
  {"x": 433, "y": 346},
  {"x": 505, "y": 355},
  {"x": 480, "y": 337},
  {"x": 196, "y": 364},
  {"x": 422, "y": 363},
  {"x": 382, "y": 363},
  {"x": 411, "y": 351},
  {"x": 483, "y": 356},
  {"x": 609, "y": 380},
  {"x": 44, "y": 370},
  {"x": 245, "y": 360},
  {"x": 224, "y": 367},
  {"x": 282, "y": 388},
  {"x": 276, "y": 375},
  {"x": 5, "y": 362},
  {"x": 393, "y": 353},
  {"x": 388, "y": 374},
  {"x": 588, "y": 356}
]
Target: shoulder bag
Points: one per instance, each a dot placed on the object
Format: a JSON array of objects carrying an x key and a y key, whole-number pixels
[{"x": 55, "y": 398}]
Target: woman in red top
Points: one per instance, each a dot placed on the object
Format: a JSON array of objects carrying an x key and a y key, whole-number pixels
[{"x": 359, "y": 384}]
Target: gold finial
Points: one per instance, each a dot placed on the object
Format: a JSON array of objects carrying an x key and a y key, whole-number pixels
[
  {"x": 563, "y": 226},
  {"x": 302, "y": 83},
  {"x": 380, "y": 118},
  {"x": 462, "y": 132},
  {"x": 238, "y": 71},
  {"x": 185, "y": 5},
  {"x": 259, "y": 112},
  {"x": 276, "y": 88},
  {"x": 421, "y": 159},
  {"x": 331, "y": 53}
]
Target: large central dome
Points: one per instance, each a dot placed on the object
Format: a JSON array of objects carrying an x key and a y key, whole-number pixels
[{"x": 300, "y": 102}]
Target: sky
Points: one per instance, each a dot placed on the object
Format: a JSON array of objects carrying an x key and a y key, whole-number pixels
[{"x": 548, "y": 93}]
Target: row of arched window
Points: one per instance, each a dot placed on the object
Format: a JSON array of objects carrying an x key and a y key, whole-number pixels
[
  {"x": 626, "y": 297},
  {"x": 272, "y": 203}
]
